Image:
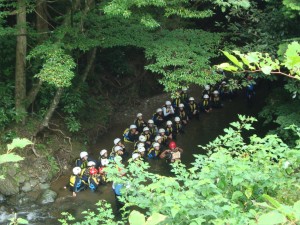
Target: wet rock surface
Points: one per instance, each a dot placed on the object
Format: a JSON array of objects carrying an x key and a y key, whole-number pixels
[
  {"x": 9, "y": 186},
  {"x": 48, "y": 196}
]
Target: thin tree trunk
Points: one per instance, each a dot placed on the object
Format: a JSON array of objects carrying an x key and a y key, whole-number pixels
[
  {"x": 21, "y": 48},
  {"x": 33, "y": 93},
  {"x": 91, "y": 59},
  {"x": 51, "y": 110}
]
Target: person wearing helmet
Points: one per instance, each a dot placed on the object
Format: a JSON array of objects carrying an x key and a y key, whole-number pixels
[
  {"x": 142, "y": 142},
  {"x": 223, "y": 90},
  {"x": 147, "y": 134},
  {"x": 131, "y": 134},
  {"x": 205, "y": 105},
  {"x": 193, "y": 110},
  {"x": 139, "y": 122},
  {"x": 163, "y": 136},
  {"x": 184, "y": 96},
  {"x": 177, "y": 127},
  {"x": 176, "y": 100},
  {"x": 76, "y": 184},
  {"x": 103, "y": 159},
  {"x": 140, "y": 150},
  {"x": 168, "y": 110},
  {"x": 83, "y": 160},
  {"x": 158, "y": 117},
  {"x": 152, "y": 129},
  {"x": 158, "y": 139},
  {"x": 136, "y": 156},
  {"x": 182, "y": 114},
  {"x": 172, "y": 154},
  {"x": 94, "y": 179},
  {"x": 206, "y": 91},
  {"x": 118, "y": 151},
  {"x": 216, "y": 100},
  {"x": 154, "y": 151},
  {"x": 85, "y": 171},
  {"x": 118, "y": 142},
  {"x": 169, "y": 129}
]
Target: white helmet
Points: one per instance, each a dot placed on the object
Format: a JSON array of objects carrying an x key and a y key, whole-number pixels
[
  {"x": 142, "y": 138},
  {"x": 169, "y": 122},
  {"x": 158, "y": 137},
  {"x": 191, "y": 99},
  {"x": 156, "y": 144},
  {"x": 118, "y": 159},
  {"x": 206, "y": 96},
  {"x": 141, "y": 149},
  {"x": 168, "y": 103},
  {"x": 135, "y": 156},
  {"x": 140, "y": 145},
  {"x": 76, "y": 170},
  {"x": 161, "y": 130},
  {"x": 91, "y": 163},
  {"x": 207, "y": 87},
  {"x": 103, "y": 151},
  {"x": 146, "y": 129},
  {"x": 116, "y": 141},
  {"x": 223, "y": 82},
  {"x": 177, "y": 119},
  {"x": 181, "y": 105},
  {"x": 139, "y": 114},
  {"x": 216, "y": 92},
  {"x": 150, "y": 121},
  {"x": 184, "y": 89},
  {"x": 83, "y": 154},
  {"x": 159, "y": 110},
  {"x": 104, "y": 162},
  {"x": 133, "y": 126},
  {"x": 118, "y": 148}
]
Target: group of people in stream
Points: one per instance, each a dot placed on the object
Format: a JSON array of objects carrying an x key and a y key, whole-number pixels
[{"x": 152, "y": 139}]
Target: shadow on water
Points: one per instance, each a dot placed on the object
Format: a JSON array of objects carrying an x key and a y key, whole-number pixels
[{"x": 198, "y": 132}]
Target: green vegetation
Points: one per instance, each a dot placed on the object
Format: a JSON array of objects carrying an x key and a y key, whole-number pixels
[{"x": 241, "y": 180}]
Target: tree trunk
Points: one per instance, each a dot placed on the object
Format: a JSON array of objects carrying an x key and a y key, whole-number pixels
[
  {"x": 51, "y": 110},
  {"x": 42, "y": 20},
  {"x": 90, "y": 61},
  {"x": 20, "y": 72}
]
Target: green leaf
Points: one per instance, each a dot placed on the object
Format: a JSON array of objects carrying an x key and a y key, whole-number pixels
[
  {"x": 174, "y": 211},
  {"x": 22, "y": 221},
  {"x": 136, "y": 218},
  {"x": 155, "y": 219},
  {"x": 227, "y": 67},
  {"x": 233, "y": 59},
  {"x": 266, "y": 70},
  {"x": 248, "y": 192},
  {"x": 11, "y": 157},
  {"x": 18, "y": 143},
  {"x": 236, "y": 195},
  {"x": 271, "y": 218}
]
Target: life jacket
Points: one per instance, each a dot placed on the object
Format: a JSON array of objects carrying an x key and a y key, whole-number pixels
[
  {"x": 157, "y": 117},
  {"x": 205, "y": 103},
  {"x": 153, "y": 153},
  {"x": 148, "y": 136},
  {"x": 193, "y": 106},
  {"x": 85, "y": 173},
  {"x": 182, "y": 115},
  {"x": 80, "y": 163},
  {"x": 216, "y": 98},
  {"x": 140, "y": 124},
  {"x": 177, "y": 127},
  {"x": 177, "y": 101},
  {"x": 153, "y": 130},
  {"x": 93, "y": 182},
  {"x": 164, "y": 139},
  {"x": 127, "y": 136},
  {"x": 169, "y": 130},
  {"x": 75, "y": 182},
  {"x": 184, "y": 97}
]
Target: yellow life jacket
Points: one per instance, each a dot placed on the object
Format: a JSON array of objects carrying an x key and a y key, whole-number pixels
[
  {"x": 169, "y": 130},
  {"x": 193, "y": 106},
  {"x": 72, "y": 180},
  {"x": 205, "y": 103}
]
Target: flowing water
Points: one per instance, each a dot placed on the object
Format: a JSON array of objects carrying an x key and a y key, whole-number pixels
[{"x": 198, "y": 132}]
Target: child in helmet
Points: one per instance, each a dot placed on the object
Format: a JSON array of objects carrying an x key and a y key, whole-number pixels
[
  {"x": 158, "y": 118},
  {"x": 169, "y": 129},
  {"x": 103, "y": 162},
  {"x": 168, "y": 111},
  {"x": 146, "y": 133},
  {"x": 83, "y": 160},
  {"x": 139, "y": 122},
  {"x": 141, "y": 151},
  {"x": 118, "y": 151},
  {"x": 205, "y": 104},
  {"x": 85, "y": 171},
  {"x": 142, "y": 140},
  {"x": 163, "y": 136},
  {"x": 177, "y": 127},
  {"x": 94, "y": 179},
  {"x": 131, "y": 134},
  {"x": 118, "y": 142},
  {"x": 152, "y": 129},
  {"x": 176, "y": 101},
  {"x": 193, "y": 110},
  {"x": 136, "y": 156},
  {"x": 76, "y": 184},
  {"x": 184, "y": 96},
  {"x": 216, "y": 100},
  {"x": 206, "y": 91},
  {"x": 182, "y": 114},
  {"x": 154, "y": 151}
]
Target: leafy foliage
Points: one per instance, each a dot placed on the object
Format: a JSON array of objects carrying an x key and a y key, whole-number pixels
[{"x": 237, "y": 182}]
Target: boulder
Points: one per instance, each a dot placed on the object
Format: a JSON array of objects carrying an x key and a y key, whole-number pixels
[
  {"x": 9, "y": 186},
  {"x": 44, "y": 186},
  {"x": 26, "y": 187},
  {"x": 48, "y": 196},
  {"x": 2, "y": 198}
]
